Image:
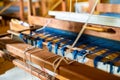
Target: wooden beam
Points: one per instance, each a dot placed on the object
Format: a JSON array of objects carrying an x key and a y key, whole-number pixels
[
  {"x": 64, "y": 5},
  {"x": 44, "y": 8},
  {"x": 112, "y": 8},
  {"x": 75, "y": 70},
  {"x": 30, "y": 12},
  {"x": 36, "y": 71},
  {"x": 75, "y": 27},
  {"x": 32, "y": 70},
  {"x": 22, "y": 10},
  {"x": 54, "y": 23}
]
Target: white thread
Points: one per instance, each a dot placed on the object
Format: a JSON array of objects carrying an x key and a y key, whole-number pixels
[
  {"x": 60, "y": 59},
  {"x": 85, "y": 25},
  {"x": 26, "y": 50},
  {"x": 44, "y": 25}
]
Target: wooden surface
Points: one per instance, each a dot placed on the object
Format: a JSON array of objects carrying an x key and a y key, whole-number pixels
[
  {"x": 76, "y": 70},
  {"x": 38, "y": 56},
  {"x": 75, "y": 27},
  {"x": 22, "y": 10},
  {"x": 3, "y": 29},
  {"x": 105, "y": 7},
  {"x": 31, "y": 69},
  {"x": 18, "y": 27},
  {"x": 5, "y": 64},
  {"x": 112, "y": 8}
]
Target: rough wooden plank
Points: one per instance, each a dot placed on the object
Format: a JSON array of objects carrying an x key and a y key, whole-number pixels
[
  {"x": 75, "y": 70},
  {"x": 54, "y": 23},
  {"x": 75, "y": 27},
  {"x": 31, "y": 69},
  {"x": 112, "y": 8},
  {"x": 22, "y": 10}
]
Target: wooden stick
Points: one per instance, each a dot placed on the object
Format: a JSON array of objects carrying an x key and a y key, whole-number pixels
[
  {"x": 6, "y": 34},
  {"x": 56, "y": 5},
  {"x": 100, "y": 29},
  {"x": 44, "y": 8},
  {"x": 30, "y": 11},
  {"x": 64, "y": 5},
  {"x": 22, "y": 10}
]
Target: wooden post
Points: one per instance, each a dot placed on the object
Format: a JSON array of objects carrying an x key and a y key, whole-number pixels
[
  {"x": 22, "y": 10},
  {"x": 44, "y": 8},
  {"x": 64, "y": 6},
  {"x": 30, "y": 12}
]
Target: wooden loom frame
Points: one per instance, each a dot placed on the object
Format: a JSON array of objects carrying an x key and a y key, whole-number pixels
[
  {"x": 67, "y": 71},
  {"x": 71, "y": 26},
  {"x": 38, "y": 56}
]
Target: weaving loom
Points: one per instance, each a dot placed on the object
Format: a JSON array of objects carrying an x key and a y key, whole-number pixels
[
  {"x": 50, "y": 48},
  {"x": 102, "y": 51}
]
